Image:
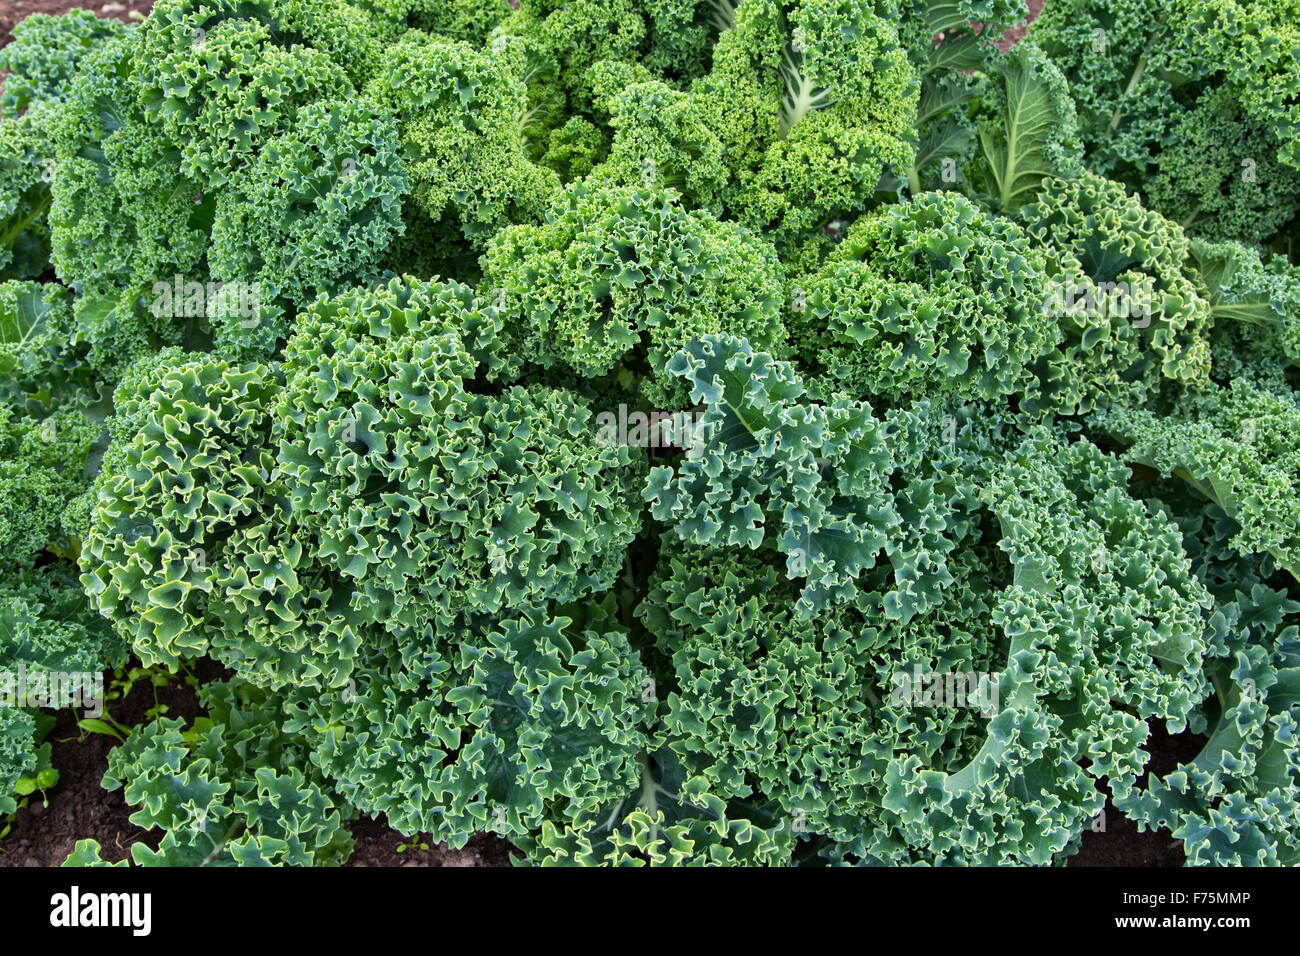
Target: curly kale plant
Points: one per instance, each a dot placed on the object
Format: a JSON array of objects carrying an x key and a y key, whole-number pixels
[
  {"x": 1192, "y": 102},
  {"x": 676, "y": 433}
]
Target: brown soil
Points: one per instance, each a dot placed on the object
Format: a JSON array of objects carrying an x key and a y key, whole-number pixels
[
  {"x": 77, "y": 807},
  {"x": 377, "y": 845},
  {"x": 1121, "y": 844},
  {"x": 1011, "y": 36}
]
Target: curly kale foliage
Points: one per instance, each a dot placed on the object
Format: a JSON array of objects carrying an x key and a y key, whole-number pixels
[
  {"x": 1089, "y": 623},
  {"x": 271, "y": 514},
  {"x": 430, "y": 498},
  {"x": 234, "y": 788},
  {"x": 123, "y": 217},
  {"x": 1130, "y": 315},
  {"x": 668, "y": 819},
  {"x": 463, "y": 112},
  {"x": 47, "y": 625},
  {"x": 221, "y": 77},
  {"x": 469, "y": 20},
  {"x": 43, "y": 473},
  {"x": 1234, "y": 804},
  {"x": 669, "y": 39},
  {"x": 186, "y": 468},
  {"x": 26, "y": 172},
  {"x": 1237, "y": 447},
  {"x": 1254, "y": 301},
  {"x": 1102, "y": 621},
  {"x": 968, "y": 29},
  {"x": 622, "y": 275},
  {"x": 521, "y": 719},
  {"x": 768, "y": 708},
  {"x": 660, "y": 137},
  {"x": 190, "y": 532},
  {"x": 51, "y": 641},
  {"x": 43, "y": 56},
  {"x": 24, "y": 761},
  {"x": 220, "y": 146},
  {"x": 317, "y": 209},
  {"x": 811, "y": 101},
  {"x": 43, "y": 366},
  {"x": 1027, "y": 129},
  {"x": 929, "y": 298},
  {"x": 675, "y": 433},
  {"x": 811, "y": 479},
  {"x": 1192, "y": 102}
]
